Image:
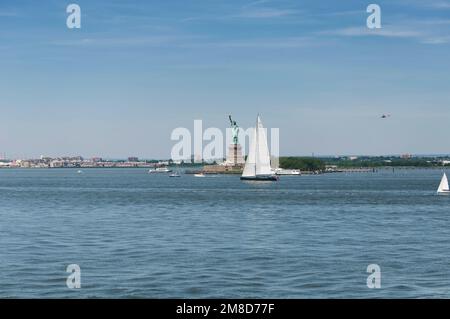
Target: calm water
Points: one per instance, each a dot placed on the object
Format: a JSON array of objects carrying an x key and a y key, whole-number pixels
[{"x": 140, "y": 235}]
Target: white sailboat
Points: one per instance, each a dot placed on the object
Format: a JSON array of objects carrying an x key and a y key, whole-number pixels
[
  {"x": 257, "y": 166},
  {"x": 175, "y": 174},
  {"x": 443, "y": 186}
]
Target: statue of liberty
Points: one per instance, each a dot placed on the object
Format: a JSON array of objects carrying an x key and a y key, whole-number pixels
[
  {"x": 234, "y": 154},
  {"x": 234, "y": 131}
]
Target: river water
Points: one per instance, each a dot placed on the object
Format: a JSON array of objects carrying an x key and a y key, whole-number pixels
[{"x": 138, "y": 235}]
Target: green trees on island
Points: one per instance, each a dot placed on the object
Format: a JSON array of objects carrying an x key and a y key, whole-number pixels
[
  {"x": 302, "y": 163},
  {"x": 380, "y": 161}
]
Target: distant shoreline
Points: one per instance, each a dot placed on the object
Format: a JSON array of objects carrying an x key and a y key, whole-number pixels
[{"x": 338, "y": 170}]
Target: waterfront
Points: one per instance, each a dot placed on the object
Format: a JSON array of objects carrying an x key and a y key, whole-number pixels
[{"x": 141, "y": 235}]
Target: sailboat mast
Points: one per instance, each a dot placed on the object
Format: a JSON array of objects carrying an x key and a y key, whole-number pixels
[{"x": 257, "y": 143}]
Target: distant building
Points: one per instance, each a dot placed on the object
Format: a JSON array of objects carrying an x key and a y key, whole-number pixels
[
  {"x": 406, "y": 156},
  {"x": 55, "y": 164},
  {"x": 97, "y": 159},
  {"x": 133, "y": 159}
]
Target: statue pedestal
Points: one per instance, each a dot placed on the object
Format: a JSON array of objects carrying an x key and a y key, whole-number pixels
[{"x": 234, "y": 156}]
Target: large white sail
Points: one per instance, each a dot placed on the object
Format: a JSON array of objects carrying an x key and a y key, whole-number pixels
[
  {"x": 258, "y": 159},
  {"x": 262, "y": 155},
  {"x": 443, "y": 187},
  {"x": 250, "y": 163}
]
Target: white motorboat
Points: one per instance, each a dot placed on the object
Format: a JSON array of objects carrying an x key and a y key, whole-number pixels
[
  {"x": 281, "y": 171},
  {"x": 159, "y": 170}
]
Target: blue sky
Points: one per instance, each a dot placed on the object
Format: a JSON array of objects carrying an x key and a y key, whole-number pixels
[{"x": 138, "y": 69}]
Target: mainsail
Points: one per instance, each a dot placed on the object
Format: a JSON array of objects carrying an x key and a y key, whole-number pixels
[
  {"x": 443, "y": 187},
  {"x": 262, "y": 155},
  {"x": 258, "y": 159},
  {"x": 250, "y": 163}
]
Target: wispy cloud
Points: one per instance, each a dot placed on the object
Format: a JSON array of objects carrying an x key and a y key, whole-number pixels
[
  {"x": 430, "y": 35},
  {"x": 436, "y": 40},
  {"x": 261, "y": 9},
  {"x": 343, "y": 13},
  {"x": 435, "y": 22},
  {"x": 126, "y": 42},
  {"x": 259, "y": 13},
  {"x": 255, "y": 3},
  {"x": 363, "y": 31},
  {"x": 8, "y": 14},
  {"x": 266, "y": 43},
  {"x": 440, "y": 4},
  {"x": 191, "y": 42},
  {"x": 430, "y": 4}
]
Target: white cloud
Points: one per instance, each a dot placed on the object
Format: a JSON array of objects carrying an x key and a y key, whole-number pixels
[
  {"x": 441, "y": 4},
  {"x": 363, "y": 31},
  {"x": 435, "y": 22},
  {"x": 127, "y": 41},
  {"x": 8, "y": 14},
  {"x": 424, "y": 35},
  {"x": 255, "y": 3},
  {"x": 437, "y": 40},
  {"x": 265, "y": 13},
  {"x": 256, "y": 10},
  {"x": 269, "y": 43}
]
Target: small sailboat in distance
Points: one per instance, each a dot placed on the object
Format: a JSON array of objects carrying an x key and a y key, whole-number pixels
[
  {"x": 443, "y": 186},
  {"x": 257, "y": 166},
  {"x": 175, "y": 174}
]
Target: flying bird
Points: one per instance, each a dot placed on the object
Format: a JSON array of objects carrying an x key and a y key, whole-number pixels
[{"x": 385, "y": 116}]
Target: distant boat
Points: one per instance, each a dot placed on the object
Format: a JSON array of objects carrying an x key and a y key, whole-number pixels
[
  {"x": 159, "y": 170},
  {"x": 280, "y": 171},
  {"x": 257, "y": 167},
  {"x": 174, "y": 175},
  {"x": 443, "y": 187},
  {"x": 79, "y": 172},
  {"x": 199, "y": 175}
]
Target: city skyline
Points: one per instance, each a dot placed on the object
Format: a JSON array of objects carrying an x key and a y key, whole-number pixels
[{"x": 134, "y": 72}]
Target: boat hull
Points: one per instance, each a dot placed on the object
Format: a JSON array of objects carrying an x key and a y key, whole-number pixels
[
  {"x": 443, "y": 193},
  {"x": 272, "y": 178}
]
